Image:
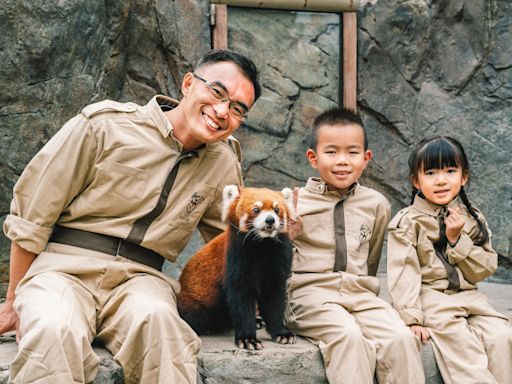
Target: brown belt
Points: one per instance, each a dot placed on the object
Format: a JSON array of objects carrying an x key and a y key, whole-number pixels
[{"x": 106, "y": 244}]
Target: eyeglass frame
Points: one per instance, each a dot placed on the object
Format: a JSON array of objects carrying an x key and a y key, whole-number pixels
[{"x": 215, "y": 93}]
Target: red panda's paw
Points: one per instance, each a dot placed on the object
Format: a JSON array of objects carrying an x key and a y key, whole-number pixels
[
  {"x": 260, "y": 323},
  {"x": 249, "y": 343},
  {"x": 285, "y": 338}
]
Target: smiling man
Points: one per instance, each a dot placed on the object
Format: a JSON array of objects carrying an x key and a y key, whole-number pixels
[{"x": 119, "y": 189}]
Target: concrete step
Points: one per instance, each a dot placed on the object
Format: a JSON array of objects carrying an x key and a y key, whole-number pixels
[{"x": 220, "y": 361}]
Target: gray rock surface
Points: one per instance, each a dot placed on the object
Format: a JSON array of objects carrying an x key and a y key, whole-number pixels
[{"x": 425, "y": 67}]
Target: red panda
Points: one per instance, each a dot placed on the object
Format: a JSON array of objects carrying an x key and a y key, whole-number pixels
[{"x": 246, "y": 265}]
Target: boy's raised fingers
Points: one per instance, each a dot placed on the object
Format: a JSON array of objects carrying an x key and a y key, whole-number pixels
[{"x": 295, "y": 194}]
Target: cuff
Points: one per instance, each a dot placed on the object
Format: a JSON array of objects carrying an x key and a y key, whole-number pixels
[
  {"x": 411, "y": 316},
  {"x": 461, "y": 250},
  {"x": 29, "y": 236}
]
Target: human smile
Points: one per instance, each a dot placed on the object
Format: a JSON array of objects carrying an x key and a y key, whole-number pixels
[
  {"x": 442, "y": 192},
  {"x": 342, "y": 174},
  {"x": 212, "y": 124}
]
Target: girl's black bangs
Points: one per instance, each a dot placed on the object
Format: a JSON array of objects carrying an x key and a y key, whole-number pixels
[{"x": 439, "y": 154}]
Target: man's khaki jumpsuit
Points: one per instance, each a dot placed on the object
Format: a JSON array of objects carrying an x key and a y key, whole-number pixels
[
  {"x": 472, "y": 341},
  {"x": 337, "y": 307},
  {"x": 101, "y": 172}
]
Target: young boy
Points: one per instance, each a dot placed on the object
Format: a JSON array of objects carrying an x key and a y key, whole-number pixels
[{"x": 333, "y": 289}]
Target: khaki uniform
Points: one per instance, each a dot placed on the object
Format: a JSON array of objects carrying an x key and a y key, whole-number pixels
[
  {"x": 472, "y": 342},
  {"x": 100, "y": 173},
  {"x": 357, "y": 332}
]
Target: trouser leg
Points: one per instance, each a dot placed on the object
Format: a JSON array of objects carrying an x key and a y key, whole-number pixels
[
  {"x": 460, "y": 355},
  {"x": 57, "y": 324},
  {"x": 140, "y": 325},
  {"x": 495, "y": 334},
  {"x": 398, "y": 350},
  {"x": 348, "y": 356}
]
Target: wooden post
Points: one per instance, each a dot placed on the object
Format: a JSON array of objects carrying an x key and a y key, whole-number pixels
[
  {"x": 220, "y": 26},
  {"x": 349, "y": 68}
]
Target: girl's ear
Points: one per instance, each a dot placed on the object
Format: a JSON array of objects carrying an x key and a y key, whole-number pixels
[
  {"x": 414, "y": 181},
  {"x": 311, "y": 155},
  {"x": 465, "y": 178}
]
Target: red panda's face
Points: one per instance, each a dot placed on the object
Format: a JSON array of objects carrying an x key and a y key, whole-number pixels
[{"x": 260, "y": 211}]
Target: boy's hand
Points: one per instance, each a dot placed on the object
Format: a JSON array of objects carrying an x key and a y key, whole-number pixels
[
  {"x": 294, "y": 223},
  {"x": 454, "y": 223},
  {"x": 421, "y": 332}
]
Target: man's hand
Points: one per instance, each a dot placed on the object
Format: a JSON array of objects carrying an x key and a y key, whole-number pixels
[
  {"x": 295, "y": 222},
  {"x": 454, "y": 223},
  {"x": 421, "y": 332},
  {"x": 9, "y": 320}
]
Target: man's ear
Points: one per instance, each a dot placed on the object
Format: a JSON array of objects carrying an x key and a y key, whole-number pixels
[
  {"x": 312, "y": 158},
  {"x": 186, "y": 83}
]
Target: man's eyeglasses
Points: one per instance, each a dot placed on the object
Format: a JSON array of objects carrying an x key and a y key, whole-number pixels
[{"x": 238, "y": 111}]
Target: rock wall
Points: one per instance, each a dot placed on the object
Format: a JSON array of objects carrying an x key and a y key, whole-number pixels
[{"x": 425, "y": 67}]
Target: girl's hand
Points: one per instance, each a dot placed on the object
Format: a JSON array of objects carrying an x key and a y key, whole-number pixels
[
  {"x": 421, "y": 332},
  {"x": 454, "y": 223}
]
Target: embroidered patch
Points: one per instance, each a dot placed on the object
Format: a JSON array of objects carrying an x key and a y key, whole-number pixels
[
  {"x": 195, "y": 200},
  {"x": 364, "y": 235}
]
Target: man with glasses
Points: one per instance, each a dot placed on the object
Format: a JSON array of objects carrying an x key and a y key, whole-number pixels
[{"x": 117, "y": 190}]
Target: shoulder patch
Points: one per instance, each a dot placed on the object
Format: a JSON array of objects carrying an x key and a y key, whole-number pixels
[
  {"x": 107, "y": 106},
  {"x": 395, "y": 221},
  {"x": 235, "y": 146}
]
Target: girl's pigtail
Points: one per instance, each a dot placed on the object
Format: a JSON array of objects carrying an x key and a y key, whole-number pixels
[
  {"x": 414, "y": 193},
  {"x": 483, "y": 234},
  {"x": 440, "y": 249},
  {"x": 441, "y": 243}
]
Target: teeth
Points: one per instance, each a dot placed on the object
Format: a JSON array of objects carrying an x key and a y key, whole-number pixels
[{"x": 210, "y": 122}]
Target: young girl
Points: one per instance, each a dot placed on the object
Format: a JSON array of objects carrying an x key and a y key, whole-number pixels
[{"x": 438, "y": 249}]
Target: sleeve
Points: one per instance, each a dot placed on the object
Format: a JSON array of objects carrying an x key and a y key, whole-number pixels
[
  {"x": 211, "y": 223},
  {"x": 377, "y": 239},
  {"x": 49, "y": 183},
  {"x": 404, "y": 272},
  {"x": 476, "y": 262}
]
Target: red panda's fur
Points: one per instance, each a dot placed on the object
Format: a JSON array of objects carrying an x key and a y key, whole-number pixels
[{"x": 206, "y": 299}]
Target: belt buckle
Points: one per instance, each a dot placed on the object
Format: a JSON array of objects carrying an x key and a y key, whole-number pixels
[{"x": 119, "y": 244}]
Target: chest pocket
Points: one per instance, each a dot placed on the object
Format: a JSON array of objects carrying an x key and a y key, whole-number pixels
[
  {"x": 117, "y": 188},
  {"x": 358, "y": 234}
]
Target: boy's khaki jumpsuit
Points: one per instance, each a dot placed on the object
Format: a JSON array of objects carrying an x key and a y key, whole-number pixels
[
  {"x": 336, "y": 306},
  {"x": 472, "y": 342}
]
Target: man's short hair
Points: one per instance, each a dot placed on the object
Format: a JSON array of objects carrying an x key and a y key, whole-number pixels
[
  {"x": 335, "y": 116},
  {"x": 245, "y": 64}
]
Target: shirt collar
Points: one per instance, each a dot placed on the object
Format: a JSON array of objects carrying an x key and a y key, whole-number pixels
[
  {"x": 317, "y": 185},
  {"x": 428, "y": 208},
  {"x": 156, "y": 107}
]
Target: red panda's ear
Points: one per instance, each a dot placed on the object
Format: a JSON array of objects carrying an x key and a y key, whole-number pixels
[
  {"x": 288, "y": 197},
  {"x": 229, "y": 194}
]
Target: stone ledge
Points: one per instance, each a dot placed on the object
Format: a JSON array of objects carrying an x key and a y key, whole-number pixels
[{"x": 221, "y": 362}]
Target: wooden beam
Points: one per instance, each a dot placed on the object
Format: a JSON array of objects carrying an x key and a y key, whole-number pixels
[
  {"x": 297, "y": 5},
  {"x": 349, "y": 68},
  {"x": 220, "y": 26}
]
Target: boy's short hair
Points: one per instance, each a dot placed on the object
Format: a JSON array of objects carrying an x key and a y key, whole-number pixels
[
  {"x": 245, "y": 64},
  {"x": 334, "y": 116}
]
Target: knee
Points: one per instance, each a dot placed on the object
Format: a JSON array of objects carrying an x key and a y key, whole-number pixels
[
  {"x": 403, "y": 336},
  {"x": 52, "y": 330},
  {"x": 352, "y": 336},
  {"x": 501, "y": 336}
]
